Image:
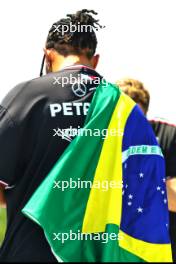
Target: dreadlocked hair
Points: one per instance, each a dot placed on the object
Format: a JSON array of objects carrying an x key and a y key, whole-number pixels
[{"x": 67, "y": 41}]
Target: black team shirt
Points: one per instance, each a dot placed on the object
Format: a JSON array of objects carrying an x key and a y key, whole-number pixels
[{"x": 32, "y": 119}]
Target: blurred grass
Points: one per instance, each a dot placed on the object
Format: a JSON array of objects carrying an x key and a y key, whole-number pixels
[{"x": 2, "y": 224}]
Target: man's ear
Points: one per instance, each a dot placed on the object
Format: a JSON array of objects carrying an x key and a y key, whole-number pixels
[
  {"x": 49, "y": 59},
  {"x": 95, "y": 60}
]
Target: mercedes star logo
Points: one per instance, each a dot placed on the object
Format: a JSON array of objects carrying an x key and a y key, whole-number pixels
[{"x": 79, "y": 89}]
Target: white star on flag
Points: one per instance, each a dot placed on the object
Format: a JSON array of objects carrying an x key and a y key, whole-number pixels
[
  {"x": 129, "y": 203},
  {"x": 165, "y": 201},
  {"x": 140, "y": 210},
  {"x": 141, "y": 175},
  {"x": 130, "y": 196},
  {"x": 164, "y": 180},
  {"x": 158, "y": 188},
  {"x": 163, "y": 192}
]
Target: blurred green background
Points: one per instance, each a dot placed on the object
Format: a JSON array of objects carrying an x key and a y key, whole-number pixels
[{"x": 2, "y": 224}]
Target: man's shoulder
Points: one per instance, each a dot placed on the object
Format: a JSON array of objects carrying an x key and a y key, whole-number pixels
[
  {"x": 163, "y": 121},
  {"x": 163, "y": 125},
  {"x": 23, "y": 94},
  {"x": 26, "y": 91},
  {"x": 165, "y": 132},
  {"x": 53, "y": 87},
  {"x": 13, "y": 94},
  {"x": 32, "y": 87}
]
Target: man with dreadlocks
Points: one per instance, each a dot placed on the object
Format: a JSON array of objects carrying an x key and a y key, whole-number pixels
[
  {"x": 31, "y": 116},
  {"x": 38, "y": 158}
]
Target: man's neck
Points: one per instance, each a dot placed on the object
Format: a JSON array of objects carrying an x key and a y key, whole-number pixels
[{"x": 70, "y": 61}]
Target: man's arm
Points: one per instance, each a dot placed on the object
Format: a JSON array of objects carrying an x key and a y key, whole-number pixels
[
  {"x": 9, "y": 152},
  {"x": 2, "y": 197},
  {"x": 10, "y": 139}
]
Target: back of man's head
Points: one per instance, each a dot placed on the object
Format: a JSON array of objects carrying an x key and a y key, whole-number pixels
[
  {"x": 73, "y": 36},
  {"x": 136, "y": 90}
]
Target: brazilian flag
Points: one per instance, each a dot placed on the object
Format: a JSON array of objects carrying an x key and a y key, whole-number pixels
[{"x": 120, "y": 223}]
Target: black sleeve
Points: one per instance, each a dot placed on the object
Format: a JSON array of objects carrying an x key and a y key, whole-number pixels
[
  {"x": 8, "y": 149},
  {"x": 171, "y": 157}
]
